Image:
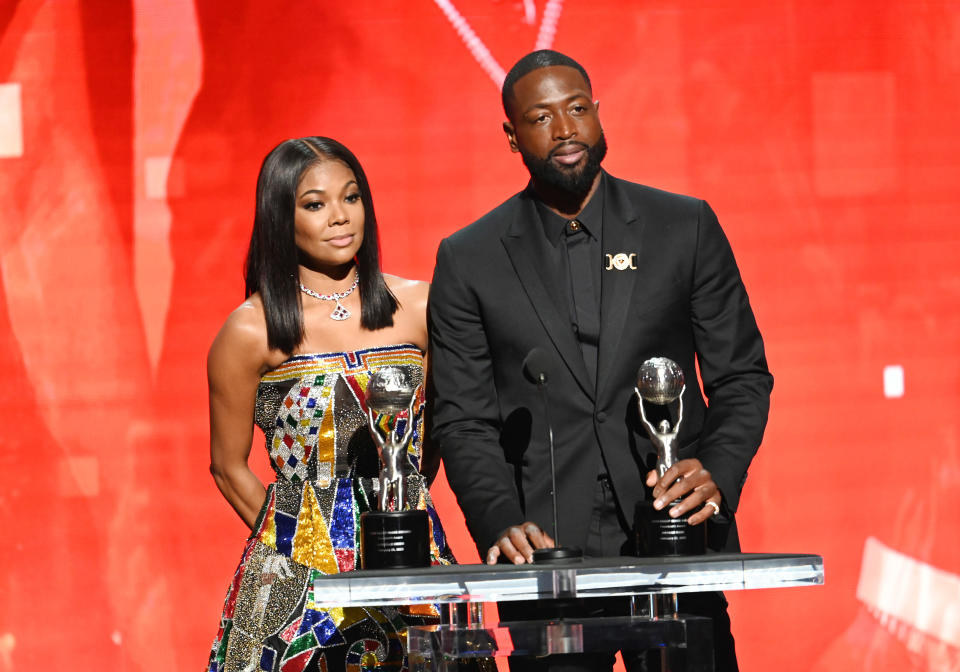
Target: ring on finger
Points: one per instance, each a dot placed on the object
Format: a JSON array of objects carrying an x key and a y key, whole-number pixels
[{"x": 716, "y": 507}]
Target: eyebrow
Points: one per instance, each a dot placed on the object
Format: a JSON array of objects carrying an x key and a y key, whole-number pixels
[
  {"x": 321, "y": 191},
  {"x": 567, "y": 100}
]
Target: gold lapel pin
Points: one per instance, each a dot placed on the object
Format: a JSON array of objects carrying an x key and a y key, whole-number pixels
[{"x": 622, "y": 261}]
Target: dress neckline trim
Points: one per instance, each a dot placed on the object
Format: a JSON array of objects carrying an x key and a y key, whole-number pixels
[
  {"x": 346, "y": 362},
  {"x": 362, "y": 351}
]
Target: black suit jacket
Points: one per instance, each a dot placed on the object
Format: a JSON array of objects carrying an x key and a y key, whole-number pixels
[{"x": 491, "y": 302}]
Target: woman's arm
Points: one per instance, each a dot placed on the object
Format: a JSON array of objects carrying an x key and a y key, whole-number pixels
[
  {"x": 415, "y": 305},
  {"x": 235, "y": 363}
]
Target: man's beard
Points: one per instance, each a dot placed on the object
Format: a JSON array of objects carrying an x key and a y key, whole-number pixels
[{"x": 575, "y": 182}]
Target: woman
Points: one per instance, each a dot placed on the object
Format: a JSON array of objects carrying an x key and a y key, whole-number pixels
[{"x": 295, "y": 358}]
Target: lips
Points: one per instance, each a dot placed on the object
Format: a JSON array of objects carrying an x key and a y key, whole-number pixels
[
  {"x": 341, "y": 241},
  {"x": 568, "y": 154}
]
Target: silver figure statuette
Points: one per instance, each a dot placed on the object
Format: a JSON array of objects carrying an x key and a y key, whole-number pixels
[
  {"x": 660, "y": 381},
  {"x": 391, "y": 391}
]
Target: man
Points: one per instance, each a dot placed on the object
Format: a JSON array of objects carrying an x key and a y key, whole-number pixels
[{"x": 601, "y": 274}]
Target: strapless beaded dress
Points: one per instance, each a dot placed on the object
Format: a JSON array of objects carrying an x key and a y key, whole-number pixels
[{"x": 312, "y": 411}]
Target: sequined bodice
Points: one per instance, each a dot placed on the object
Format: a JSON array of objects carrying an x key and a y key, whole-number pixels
[{"x": 313, "y": 413}]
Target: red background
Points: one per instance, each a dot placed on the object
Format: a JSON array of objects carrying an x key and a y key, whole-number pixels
[{"x": 823, "y": 134}]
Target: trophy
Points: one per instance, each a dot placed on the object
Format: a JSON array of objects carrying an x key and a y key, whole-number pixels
[
  {"x": 660, "y": 382},
  {"x": 393, "y": 537}
]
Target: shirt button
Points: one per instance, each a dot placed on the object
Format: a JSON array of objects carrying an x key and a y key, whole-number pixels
[
  {"x": 601, "y": 417},
  {"x": 574, "y": 226}
]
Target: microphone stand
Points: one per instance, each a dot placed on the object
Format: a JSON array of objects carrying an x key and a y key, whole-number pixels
[{"x": 546, "y": 556}]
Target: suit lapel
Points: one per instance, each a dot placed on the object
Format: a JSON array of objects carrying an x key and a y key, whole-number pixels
[
  {"x": 523, "y": 244},
  {"x": 622, "y": 233}
]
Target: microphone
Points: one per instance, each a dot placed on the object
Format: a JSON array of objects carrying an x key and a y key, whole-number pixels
[
  {"x": 536, "y": 366},
  {"x": 537, "y": 369}
]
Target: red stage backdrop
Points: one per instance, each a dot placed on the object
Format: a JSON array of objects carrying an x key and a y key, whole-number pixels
[{"x": 825, "y": 136}]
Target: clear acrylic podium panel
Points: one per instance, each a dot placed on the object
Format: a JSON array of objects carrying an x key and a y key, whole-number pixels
[
  {"x": 592, "y": 577},
  {"x": 686, "y": 641}
]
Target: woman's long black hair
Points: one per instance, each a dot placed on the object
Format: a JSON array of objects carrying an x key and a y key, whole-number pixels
[{"x": 271, "y": 266}]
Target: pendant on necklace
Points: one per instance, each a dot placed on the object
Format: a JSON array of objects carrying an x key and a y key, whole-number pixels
[{"x": 340, "y": 313}]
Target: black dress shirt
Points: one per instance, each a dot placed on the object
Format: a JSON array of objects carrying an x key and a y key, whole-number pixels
[{"x": 574, "y": 252}]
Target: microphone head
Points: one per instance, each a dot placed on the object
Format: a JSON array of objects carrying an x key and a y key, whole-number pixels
[{"x": 536, "y": 366}]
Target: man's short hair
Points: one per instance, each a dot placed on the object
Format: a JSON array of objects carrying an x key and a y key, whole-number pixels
[{"x": 535, "y": 60}]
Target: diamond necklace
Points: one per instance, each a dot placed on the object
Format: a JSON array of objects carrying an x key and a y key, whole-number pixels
[{"x": 340, "y": 312}]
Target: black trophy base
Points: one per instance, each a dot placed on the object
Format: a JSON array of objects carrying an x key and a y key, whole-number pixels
[
  {"x": 659, "y": 535},
  {"x": 552, "y": 556},
  {"x": 394, "y": 540}
]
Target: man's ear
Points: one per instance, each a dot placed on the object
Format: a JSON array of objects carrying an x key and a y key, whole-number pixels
[
  {"x": 596, "y": 105},
  {"x": 511, "y": 136}
]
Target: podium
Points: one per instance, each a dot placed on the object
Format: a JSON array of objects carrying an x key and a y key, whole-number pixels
[{"x": 649, "y": 583}]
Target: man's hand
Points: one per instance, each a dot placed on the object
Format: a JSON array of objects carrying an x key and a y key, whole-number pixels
[
  {"x": 695, "y": 485},
  {"x": 517, "y": 543}
]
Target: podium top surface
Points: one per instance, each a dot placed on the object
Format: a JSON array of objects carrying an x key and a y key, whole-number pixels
[{"x": 591, "y": 577}]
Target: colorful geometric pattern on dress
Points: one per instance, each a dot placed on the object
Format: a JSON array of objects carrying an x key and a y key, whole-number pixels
[
  {"x": 324, "y": 406},
  {"x": 298, "y": 428},
  {"x": 367, "y": 360},
  {"x": 310, "y": 524},
  {"x": 303, "y": 635},
  {"x": 343, "y": 525}
]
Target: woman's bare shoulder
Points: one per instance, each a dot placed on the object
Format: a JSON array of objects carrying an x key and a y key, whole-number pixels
[
  {"x": 411, "y": 319},
  {"x": 408, "y": 292},
  {"x": 247, "y": 323},
  {"x": 243, "y": 336}
]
